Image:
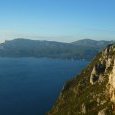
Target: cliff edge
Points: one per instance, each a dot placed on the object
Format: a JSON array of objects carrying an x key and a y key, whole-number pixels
[{"x": 93, "y": 91}]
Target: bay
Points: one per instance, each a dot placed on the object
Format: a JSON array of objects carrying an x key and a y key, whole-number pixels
[{"x": 30, "y": 86}]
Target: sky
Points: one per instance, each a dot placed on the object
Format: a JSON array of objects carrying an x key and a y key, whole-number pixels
[{"x": 57, "y": 20}]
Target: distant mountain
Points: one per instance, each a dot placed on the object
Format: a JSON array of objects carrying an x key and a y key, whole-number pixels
[
  {"x": 82, "y": 49},
  {"x": 92, "y": 43},
  {"x": 92, "y": 92}
]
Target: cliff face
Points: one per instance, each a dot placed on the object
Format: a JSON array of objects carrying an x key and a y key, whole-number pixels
[{"x": 91, "y": 92}]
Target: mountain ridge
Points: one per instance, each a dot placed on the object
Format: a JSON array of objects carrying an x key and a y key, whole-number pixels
[
  {"x": 91, "y": 42},
  {"x": 21, "y": 47}
]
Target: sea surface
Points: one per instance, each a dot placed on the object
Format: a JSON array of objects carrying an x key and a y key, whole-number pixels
[{"x": 30, "y": 86}]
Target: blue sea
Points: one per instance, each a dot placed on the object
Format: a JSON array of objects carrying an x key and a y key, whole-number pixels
[{"x": 30, "y": 86}]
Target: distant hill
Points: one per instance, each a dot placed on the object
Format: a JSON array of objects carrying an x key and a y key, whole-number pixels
[
  {"x": 92, "y": 43},
  {"x": 82, "y": 49}
]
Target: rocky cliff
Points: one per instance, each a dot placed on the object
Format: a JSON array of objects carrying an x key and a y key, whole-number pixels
[{"x": 93, "y": 91}]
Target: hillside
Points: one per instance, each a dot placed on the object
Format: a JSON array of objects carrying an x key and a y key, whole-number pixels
[
  {"x": 83, "y": 49},
  {"x": 93, "y": 91},
  {"x": 92, "y": 43}
]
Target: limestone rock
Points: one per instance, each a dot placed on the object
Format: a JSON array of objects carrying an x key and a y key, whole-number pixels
[
  {"x": 102, "y": 112},
  {"x": 92, "y": 90},
  {"x": 83, "y": 109}
]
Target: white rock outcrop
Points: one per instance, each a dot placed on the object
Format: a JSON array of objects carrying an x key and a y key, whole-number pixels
[
  {"x": 102, "y": 112},
  {"x": 92, "y": 75},
  {"x": 83, "y": 109},
  {"x": 112, "y": 84}
]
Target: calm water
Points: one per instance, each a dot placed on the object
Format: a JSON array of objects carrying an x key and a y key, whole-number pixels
[{"x": 30, "y": 86}]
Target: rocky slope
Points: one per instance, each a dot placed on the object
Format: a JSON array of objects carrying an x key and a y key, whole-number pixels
[{"x": 93, "y": 91}]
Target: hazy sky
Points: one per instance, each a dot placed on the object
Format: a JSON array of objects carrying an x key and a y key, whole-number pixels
[{"x": 60, "y": 20}]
